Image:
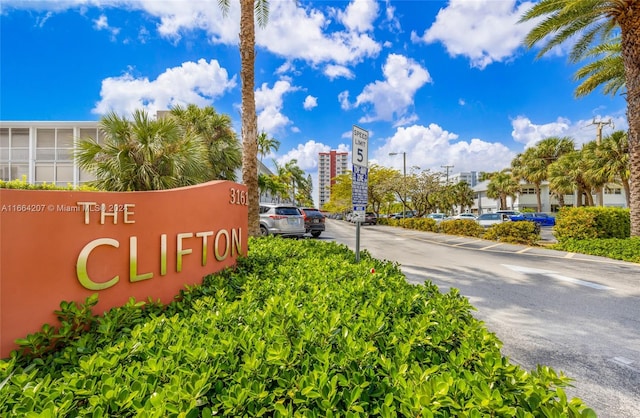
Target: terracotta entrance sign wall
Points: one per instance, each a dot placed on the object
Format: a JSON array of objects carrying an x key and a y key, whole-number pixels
[{"x": 67, "y": 245}]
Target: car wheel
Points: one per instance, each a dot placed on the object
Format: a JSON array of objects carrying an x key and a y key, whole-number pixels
[
  {"x": 315, "y": 234},
  {"x": 264, "y": 231}
]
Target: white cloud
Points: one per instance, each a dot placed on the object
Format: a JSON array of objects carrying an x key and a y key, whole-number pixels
[
  {"x": 310, "y": 102},
  {"x": 392, "y": 97},
  {"x": 582, "y": 131},
  {"x": 343, "y": 98},
  {"x": 430, "y": 147},
  {"x": 359, "y": 15},
  {"x": 193, "y": 82},
  {"x": 269, "y": 103},
  {"x": 102, "y": 24},
  {"x": 335, "y": 71},
  {"x": 484, "y": 31},
  {"x": 298, "y": 33},
  {"x": 306, "y": 154}
]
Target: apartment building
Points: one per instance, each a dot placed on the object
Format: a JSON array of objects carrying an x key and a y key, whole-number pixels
[
  {"x": 330, "y": 165},
  {"x": 613, "y": 196},
  {"x": 43, "y": 151}
]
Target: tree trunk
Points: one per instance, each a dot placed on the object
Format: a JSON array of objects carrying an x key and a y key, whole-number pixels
[
  {"x": 630, "y": 41},
  {"x": 538, "y": 197},
  {"x": 249, "y": 118}
]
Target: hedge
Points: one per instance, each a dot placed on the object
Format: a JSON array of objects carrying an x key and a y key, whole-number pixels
[{"x": 297, "y": 329}]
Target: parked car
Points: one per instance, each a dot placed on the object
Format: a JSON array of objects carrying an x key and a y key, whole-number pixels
[
  {"x": 370, "y": 218},
  {"x": 541, "y": 219},
  {"x": 465, "y": 215},
  {"x": 438, "y": 217},
  {"x": 281, "y": 219},
  {"x": 508, "y": 212},
  {"x": 314, "y": 221},
  {"x": 407, "y": 214},
  {"x": 488, "y": 219}
]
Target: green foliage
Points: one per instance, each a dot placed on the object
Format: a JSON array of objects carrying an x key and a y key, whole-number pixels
[
  {"x": 616, "y": 248},
  {"x": 24, "y": 185},
  {"x": 592, "y": 222},
  {"x": 464, "y": 227},
  {"x": 521, "y": 232},
  {"x": 297, "y": 329}
]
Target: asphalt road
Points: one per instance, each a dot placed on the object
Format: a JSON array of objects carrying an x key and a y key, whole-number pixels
[{"x": 577, "y": 314}]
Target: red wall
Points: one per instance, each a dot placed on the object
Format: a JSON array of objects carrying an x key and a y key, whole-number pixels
[{"x": 54, "y": 248}]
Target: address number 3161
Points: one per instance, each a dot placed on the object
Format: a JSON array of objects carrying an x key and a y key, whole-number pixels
[{"x": 238, "y": 197}]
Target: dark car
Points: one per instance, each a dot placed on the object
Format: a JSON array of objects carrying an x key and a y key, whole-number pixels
[
  {"x": 370, "y": 218},
  {"x": 541, "y": 219},
  {"x": 314, "y": 221}
]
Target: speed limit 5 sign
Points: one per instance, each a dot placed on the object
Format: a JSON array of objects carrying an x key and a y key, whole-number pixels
[{"x": 359, "y": 140}]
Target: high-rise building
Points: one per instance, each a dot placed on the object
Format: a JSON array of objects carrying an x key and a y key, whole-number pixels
[{"x": 330, "y": 165}]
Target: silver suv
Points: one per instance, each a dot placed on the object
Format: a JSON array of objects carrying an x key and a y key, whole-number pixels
[{"x": 281, "y": 219}]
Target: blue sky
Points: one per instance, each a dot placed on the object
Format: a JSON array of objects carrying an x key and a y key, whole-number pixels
[{"x": 447, "y": 82}]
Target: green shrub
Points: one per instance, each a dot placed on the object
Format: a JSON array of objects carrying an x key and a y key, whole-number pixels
[
  {"x": 592, "y": 222},
  {"x": 521, "y": 232},
  {"x": 464, "y": 227},
  {"x": 24, "y": 185},
  {"x": 618, "y": 249},
  {"x": 297, "y": 329}
]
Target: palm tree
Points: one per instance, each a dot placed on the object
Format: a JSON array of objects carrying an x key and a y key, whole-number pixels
[
  {"x": 215, "y": 130},
  {"x": 568, "y": 173},
  {"x": 610, "y": 160},
  {"x": 605, "y": 68},
  {"x": 297, "y": 178},
  {"x": 593, "y": 22},
  {"x": 266, "y": 145},
  {"x": 143, "y": 154},
  {"x": 502, "y": 185},
  {"x": 528, "y": 167},
  {"x": 462, "y": 195},
  {"x": 249, "y": 10}
]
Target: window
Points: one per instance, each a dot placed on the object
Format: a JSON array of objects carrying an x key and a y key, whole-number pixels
[{"x": 612, "y": 190}]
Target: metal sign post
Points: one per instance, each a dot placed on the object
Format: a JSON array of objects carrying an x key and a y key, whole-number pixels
[{"x": 359, "y": 178}]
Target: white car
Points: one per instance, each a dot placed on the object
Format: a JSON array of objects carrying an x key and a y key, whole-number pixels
[
  {"x": 488, "y": 219},
  {"x": 465, "y": 215},
  {"x": 438, "y": 217}
]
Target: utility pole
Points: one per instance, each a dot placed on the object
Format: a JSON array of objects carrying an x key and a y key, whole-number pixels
[
  {"x": 599, "y": 125},
  {"x": 447, "y": 167}
]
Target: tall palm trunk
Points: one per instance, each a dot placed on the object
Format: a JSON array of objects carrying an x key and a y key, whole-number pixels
[
  {"x": 249, "y": 118},
  {"x": 630, "y": 40}
]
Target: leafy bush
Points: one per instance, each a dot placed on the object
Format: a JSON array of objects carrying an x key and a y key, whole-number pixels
[
  {"x": 464, "y": 227},
  {"x": 521, "y": 232},
  {"x": 24, "y": 185},
  {"x": 298, "y": 329},
  {"x": 615, "y": 248},
  {"x": 592, "y": 222}
]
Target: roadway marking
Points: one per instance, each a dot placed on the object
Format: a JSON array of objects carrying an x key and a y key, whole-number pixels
[
  {"x": 624, "y": 362},
  {"x": 555, "y": 275},
  {"x": 490, "y": 246},
  {"x": 524, "y": 250},
  {"x": 569, "y": 255},
  {"x": 466, "y": 242}
]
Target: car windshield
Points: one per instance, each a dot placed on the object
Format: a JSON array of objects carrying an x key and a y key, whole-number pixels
[
  {"x": 287, "y": 211},
  {"x": 314, "y": 212}
]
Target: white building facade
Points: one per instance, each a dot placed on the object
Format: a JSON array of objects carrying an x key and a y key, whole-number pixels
[
  {"x": 43, "y": 152},
  {"x": 613, "y": 196}
]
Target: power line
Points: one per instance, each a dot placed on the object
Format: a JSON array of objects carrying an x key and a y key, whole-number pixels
[{"x": 447, "y": 167}]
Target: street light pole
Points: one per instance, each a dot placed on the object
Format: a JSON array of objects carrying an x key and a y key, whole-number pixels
[{"x": 404, "y": 180}]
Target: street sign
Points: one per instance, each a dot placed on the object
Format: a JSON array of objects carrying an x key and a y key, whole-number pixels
[
  {"x": 359, "y": 188},
  {"x": 359, "y": 147}
]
